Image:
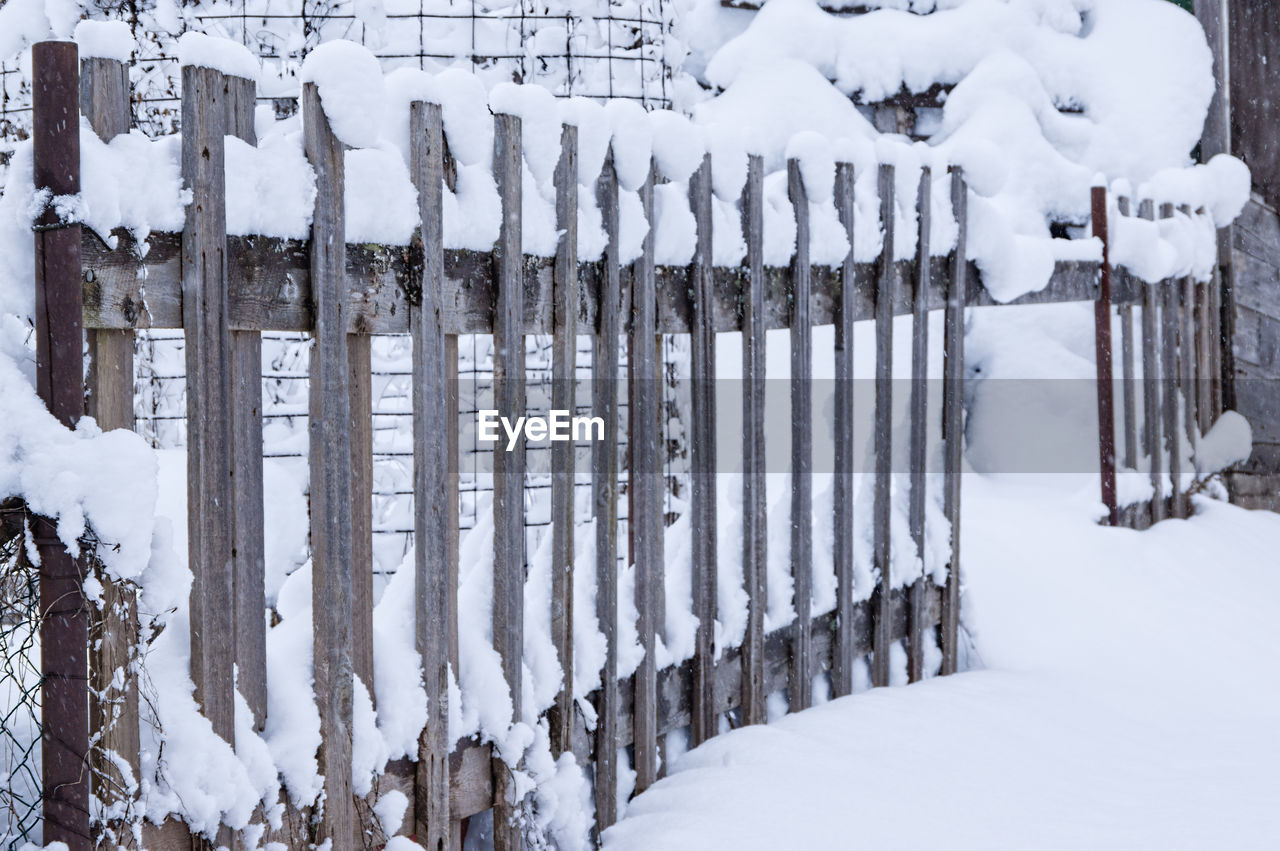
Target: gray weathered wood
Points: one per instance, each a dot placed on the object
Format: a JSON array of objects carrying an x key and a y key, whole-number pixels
[
  {"x": 1152, "y": 426},
  {"x": 604, "y": 485},
  {"x": 755, "y": 516},
  {"x": 247, "y": 485},
  {"x": 564, "y": 354},
  {"x": 1213, "y": 18},
  {"x": 919, "y": 436},
  {"x": 508, "y": 466},
  {"x": 360, "y": 387},
  {"x": 703, "y": 458},
  {"x": 1169, "y": 373},
  {"x": 883, "y": 433},
  {"x": 1187, "y": 334},
  {"x": 801, "y": 681},
  {"x": 209, "y": 401},
  {"x": 274, "y": 289},
  {"x": 330, "y": 463},
  {"x": 842, "y": 486},
  {"x": 1128, "y": 386},
  {"x": 953, "y": 417},
  {"x": 113, "y": 692},
  {"x": 432, "y": 426},
  {"x": 646, "y": 487}
]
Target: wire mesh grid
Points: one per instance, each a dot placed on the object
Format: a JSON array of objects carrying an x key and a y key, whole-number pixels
[{"x": 20, "y": 809}]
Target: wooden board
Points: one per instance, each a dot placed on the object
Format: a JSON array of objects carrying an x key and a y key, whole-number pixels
[{"x": 800, "y": 685}]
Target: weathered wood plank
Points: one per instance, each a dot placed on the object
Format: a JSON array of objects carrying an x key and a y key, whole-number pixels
[
  {"x": 953, "y": 417},
  {"x": 113, "y": 629},
  {"x": 801, "y": 681},
  {"x": 564, "y": 355},
  {"x": 209, "y": 401},
  {"x": 1187, "y": 334},
  {"x": 330, "y": 463},
  {"x": 508, "y": 466},
  {"x": 273, "y": 288},
  {"x": 432, "y": 427},
  {"x": 1128, "y": 389},
  {"x": 604, "y": 475},
  {"x": 1102, "y": 357},
  {"x": 247, "y": 480},
  {"x": 703, "y": 459},
  {"x": 755, "y": 517},
  {"x": 919, "y": 437},
  {"x": 1153, "y": 443},
  {"x": 842, "y": 485},
  {"x": 646, "y": 488},
  {"x": 360, "y": 387},
  {"x": 883, "y": 433},
  {"x": 1169, "y": 372}
]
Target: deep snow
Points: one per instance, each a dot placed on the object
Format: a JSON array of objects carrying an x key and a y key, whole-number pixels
[{"x": 1127, "y": 699}]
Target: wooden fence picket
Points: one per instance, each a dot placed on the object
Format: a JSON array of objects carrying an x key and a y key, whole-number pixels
[
  {"x": 434, "y": 487},
  {"x": 1128, "y": 386},
  {"x": 210, "y": 461},
  {"x": 1169, "y": 374},
  {"x": 702, "y": 453},
  {"x": 801, "y": 680},
  {"x": 330, "y": 463},
  {"x": 919, "y": 436},
  {"x": 113, "y": 691},
  {"x": 882, "y": 546},
  {"x": 645, "y": 489},
  {"x": 754, "y": 505},
  {"x": 953, "y": 415},
  {"x": 508, "y": 463},
  {"x": 564, "y": 361},
  {"x": 604, "y": 485},
  {"x": 1152, "y": 426},
  {"x": 842, "y": 496}
]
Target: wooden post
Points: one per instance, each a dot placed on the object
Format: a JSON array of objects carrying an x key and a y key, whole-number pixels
[
  {"x": 564, "y": 357},
  {"x": 1153, "y": 443},
  {"x": 953, "y": 416},
  {"x": 330, "y": 446},
  {"x": 1128, "y": 389},
  {"x": 604, "y": 477},
  {"x": 433, "y": 592},
  {"x": 919, "y": 608},
  {"x": 64, "y": 625},
  {"x": 360, "y": 387},
  {"x": 113, "y": 634},
  {"x": 210, "y": 461},
  {"x": 1187, "y": 334},
  {"x": 645, "y": 492},
  {"x": 842, "y": 656},
  {"x": 882, "y": 608},
  {"x": 703, "y": 459},
  {"x": 1214, "y": 19},
  {"x": 247, "y": 483},
  {"x": 508, "y": 466},
  {"x": 755, "y": 532},
  {"x": 801, "y": 679},
  {"x": 1102, "y": 353},
  {"x": 1169, "y": 372}
]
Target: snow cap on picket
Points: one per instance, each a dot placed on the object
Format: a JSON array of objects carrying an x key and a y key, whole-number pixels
[
  {"x": 632, "y": 142},
  {"x": 677, "y": 144},
  {"x": 221, "y": 54},
  {"x": 104, "y": 40},
  {"x": 352, "y": 90},
  {"x": 593, "y": 135},
  {"x": 817, "y": 164},
  {"x": 539, "y": 115}
]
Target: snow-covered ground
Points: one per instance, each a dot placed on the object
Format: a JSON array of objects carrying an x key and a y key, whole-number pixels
[{"x": 1127, "y": 697}]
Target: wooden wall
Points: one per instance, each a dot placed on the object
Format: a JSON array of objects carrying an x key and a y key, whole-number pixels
[
  {"x": 1256, "y": 344},
  {"x": 1254, "y": 42}
]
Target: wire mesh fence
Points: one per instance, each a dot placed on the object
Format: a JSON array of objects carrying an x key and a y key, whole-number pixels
[{"x": 20, "y": 810}]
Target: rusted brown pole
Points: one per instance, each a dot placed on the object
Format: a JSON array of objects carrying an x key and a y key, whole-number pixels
[
  {"x": 64, "y": 624},
  {"x": 1102, "y": 341}
]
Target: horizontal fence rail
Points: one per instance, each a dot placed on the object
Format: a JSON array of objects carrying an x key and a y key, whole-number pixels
[{"x": 224, "y": 291}]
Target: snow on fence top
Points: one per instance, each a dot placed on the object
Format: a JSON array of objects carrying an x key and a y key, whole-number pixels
[{"x": 1012, "y": 66}]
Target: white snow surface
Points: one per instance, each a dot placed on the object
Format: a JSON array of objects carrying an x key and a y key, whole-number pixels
[
  {"x": 1121, "y": 705},
  {"x": 104, "y": 40},
  {"x": 221, "y": 54}
]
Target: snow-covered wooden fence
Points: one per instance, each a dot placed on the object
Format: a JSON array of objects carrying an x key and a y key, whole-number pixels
[{"x": 223, "y": 291}]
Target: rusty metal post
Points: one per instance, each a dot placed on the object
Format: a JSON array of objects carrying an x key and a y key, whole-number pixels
[
  {"x": 1102, "y": 340},
  {"x": 64, "y": 624}
]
